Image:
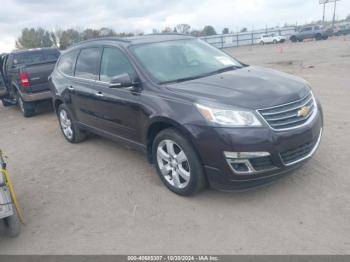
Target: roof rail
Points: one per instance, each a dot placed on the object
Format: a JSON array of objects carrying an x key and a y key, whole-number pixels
[{"x": 111, "y": 38}]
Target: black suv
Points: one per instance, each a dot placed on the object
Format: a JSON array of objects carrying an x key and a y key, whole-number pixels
[{"x": 199, "y": 115}]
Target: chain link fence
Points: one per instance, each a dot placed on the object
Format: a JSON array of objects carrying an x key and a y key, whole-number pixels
[{"x": 247, "y": 38}]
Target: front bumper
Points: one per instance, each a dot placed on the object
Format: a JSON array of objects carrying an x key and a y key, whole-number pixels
[{"x": 212, "y": 142}]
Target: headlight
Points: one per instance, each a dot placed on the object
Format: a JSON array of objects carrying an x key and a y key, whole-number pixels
[{"x": 236, "y": 118}]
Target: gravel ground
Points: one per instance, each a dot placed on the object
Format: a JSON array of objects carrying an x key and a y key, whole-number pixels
[{"x": 99, "y": 197}]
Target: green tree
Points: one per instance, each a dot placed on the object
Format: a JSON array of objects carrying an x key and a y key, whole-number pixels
[
  {"x": 196, "y": 33},
  {"x": 225, "y": 31},
  {"x": 167, "y": 30},
  {"x": 183, "y": 28},
  {"x": 34, "y": 38},
  {"x": 347, "y": 18},
  {"x": 208, "y": 30},
  {"x": 244, "y": 29},
  {"x": 90, "y": 34},
  {"x": 68, "y": 37},
  {"x": 104, "y": 32}
]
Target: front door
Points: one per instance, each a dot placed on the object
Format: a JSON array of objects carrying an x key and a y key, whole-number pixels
[{"x": 118, "y": 107}]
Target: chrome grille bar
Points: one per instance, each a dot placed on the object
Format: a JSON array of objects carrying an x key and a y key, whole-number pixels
[{"x": 288, "y": 116}]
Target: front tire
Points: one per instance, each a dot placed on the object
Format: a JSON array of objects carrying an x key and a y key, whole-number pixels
[
  {"x": 275, "y": 41},
  {"x": 177, "y": 163},
  {"x": 68, "y": 125}
]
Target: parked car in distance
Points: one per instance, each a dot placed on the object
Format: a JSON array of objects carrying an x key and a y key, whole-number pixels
[
  {"x": 25, "y": 74},
  {"x": 198, "y": 114},
  {"x": 341, "y": 30},
  {"x": 309, "y": 32},
  {"x": 271, "y": 39}
]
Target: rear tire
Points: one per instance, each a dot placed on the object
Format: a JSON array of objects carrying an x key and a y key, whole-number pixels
[
  {"x": 177, "y": 163},
  {"x": 12, "y": 225},
  {"x": 68, "y": 125},
  {"x": 262, "y": 43},
  {"x": 27, "y": 108}
]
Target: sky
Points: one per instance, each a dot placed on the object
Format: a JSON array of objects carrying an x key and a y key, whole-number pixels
[{"x": 144, "y": 15}]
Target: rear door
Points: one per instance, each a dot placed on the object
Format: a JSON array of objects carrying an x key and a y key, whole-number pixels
[{"x": 84, "y": 96}]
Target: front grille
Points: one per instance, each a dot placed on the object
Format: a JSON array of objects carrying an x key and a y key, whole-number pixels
[
  {"x": 289, "y": 115},
  {"x": 297, "y": 153},
  {"x": 262, "y": 163}
]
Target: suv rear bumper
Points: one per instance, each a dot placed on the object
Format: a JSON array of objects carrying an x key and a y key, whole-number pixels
[{"x": 31, "y": 97}]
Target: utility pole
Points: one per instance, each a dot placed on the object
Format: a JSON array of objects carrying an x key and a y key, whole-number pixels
[
  {"x": 335, "y": 6},
  {"x": 324, "y": 2}
]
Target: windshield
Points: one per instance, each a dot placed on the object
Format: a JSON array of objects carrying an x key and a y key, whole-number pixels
[{"x": 182, "y": 60}]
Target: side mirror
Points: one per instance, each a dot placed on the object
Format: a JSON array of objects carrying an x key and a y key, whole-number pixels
[{"x": 122, "y": 80}]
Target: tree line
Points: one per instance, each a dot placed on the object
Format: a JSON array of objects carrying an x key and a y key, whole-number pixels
[{"x": 62, "y": 39}]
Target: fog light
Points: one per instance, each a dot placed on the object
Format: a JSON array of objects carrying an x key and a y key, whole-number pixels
[
  {"x": 240, "y": 163},
  {"x": 245, "y": 155}
]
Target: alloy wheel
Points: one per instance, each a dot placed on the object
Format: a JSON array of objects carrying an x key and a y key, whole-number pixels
[
  {"x": 173, "y": 164},
  {"x": 66, "y": 124}
]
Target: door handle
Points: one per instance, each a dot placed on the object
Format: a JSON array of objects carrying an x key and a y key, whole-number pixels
[
  {"x": 99, "y": 94},
  {"x": 70, "y": 88}
]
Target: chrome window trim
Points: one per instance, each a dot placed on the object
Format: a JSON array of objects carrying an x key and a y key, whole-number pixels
[{"x": 308, "y": 155}]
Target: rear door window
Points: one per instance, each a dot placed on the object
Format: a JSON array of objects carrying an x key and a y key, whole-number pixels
[
  {"x": 67, "y": 62},
  {"x": 87, "y": 62}
]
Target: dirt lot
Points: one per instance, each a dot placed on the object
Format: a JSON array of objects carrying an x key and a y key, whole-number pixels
[{"x": 99, "y": 197}]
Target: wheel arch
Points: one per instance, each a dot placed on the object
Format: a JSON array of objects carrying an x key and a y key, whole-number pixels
[
  {"x": 160, "y": 123},
  {"x": 56, "y": 103}
]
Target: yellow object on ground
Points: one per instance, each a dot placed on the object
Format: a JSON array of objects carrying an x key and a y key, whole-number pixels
[{"x": 12, "y": 190}]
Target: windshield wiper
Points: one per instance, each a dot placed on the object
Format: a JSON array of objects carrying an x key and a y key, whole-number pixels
[
  {"x": 221, "y": 70},
  {"x": 186, "y": 79},
  {"x": 225, "y": 69}
]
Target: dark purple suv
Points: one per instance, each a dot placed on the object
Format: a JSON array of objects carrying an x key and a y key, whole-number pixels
[{"x": 200, "y": 116}]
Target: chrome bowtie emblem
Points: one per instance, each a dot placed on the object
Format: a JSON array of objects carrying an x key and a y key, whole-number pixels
[{"x": 304, "y": 111}]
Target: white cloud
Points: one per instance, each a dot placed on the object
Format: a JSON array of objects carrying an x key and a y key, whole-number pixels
[{"x": 144, "y": 15}]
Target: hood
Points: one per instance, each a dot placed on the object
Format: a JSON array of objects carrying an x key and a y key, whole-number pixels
[{"x": 249, "y": 87}]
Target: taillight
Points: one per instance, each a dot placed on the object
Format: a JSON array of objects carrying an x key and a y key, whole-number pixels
[{"x": 24, "y": 79}]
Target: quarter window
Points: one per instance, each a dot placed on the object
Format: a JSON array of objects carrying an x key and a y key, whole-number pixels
[
  {"x": 87, "y": 63},
  {"x": 114, "y": 62},
  {"x": 67, "y": 62}
]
